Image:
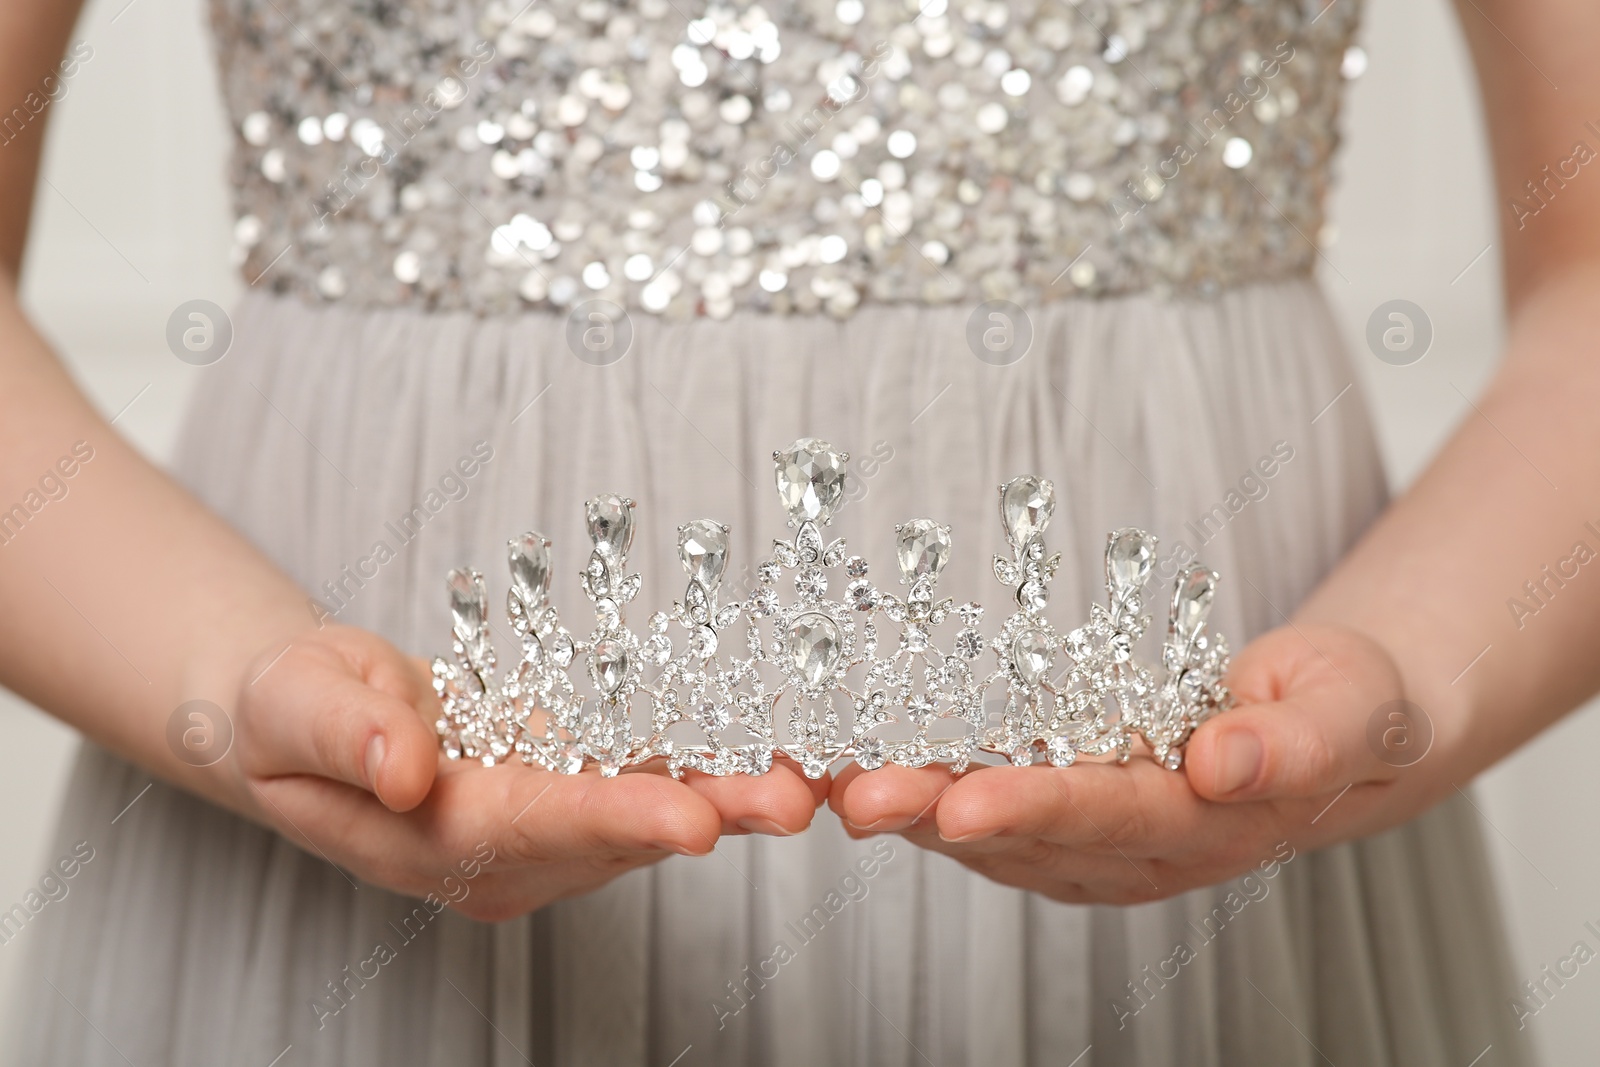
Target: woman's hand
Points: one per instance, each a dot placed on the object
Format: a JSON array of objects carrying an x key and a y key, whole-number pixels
[
  {"x": 334, "y": 748},
  {"x": 1291, "y": 762}
]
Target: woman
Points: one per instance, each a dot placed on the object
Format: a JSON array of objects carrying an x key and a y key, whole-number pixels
[{"x": 802, "y": 215}]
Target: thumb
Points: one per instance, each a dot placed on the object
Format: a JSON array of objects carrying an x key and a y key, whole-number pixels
[
  {"x": 342, "y": 705},
  {"x": 1291, "y": 748}
]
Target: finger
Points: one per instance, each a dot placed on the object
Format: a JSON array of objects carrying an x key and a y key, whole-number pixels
[
  {"x": 780, "y": 802},
  {"x": 341, "y": 706},
  {"x": 889, "y": 799},
  {"x": 540, "y": 817},
  {"x": 1139, "y": 807},
  {"x": 1293, "y": 748}
]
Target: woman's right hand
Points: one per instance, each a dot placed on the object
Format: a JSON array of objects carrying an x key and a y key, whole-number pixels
[{"x": 334, "y": 748}]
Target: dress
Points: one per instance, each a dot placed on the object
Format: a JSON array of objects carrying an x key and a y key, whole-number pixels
[{"x": 799, "y": 216}]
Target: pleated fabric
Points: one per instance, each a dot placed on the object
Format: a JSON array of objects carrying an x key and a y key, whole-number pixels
[{"x": 195, "y": 938}]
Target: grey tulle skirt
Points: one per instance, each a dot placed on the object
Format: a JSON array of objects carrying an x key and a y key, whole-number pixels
[{"x": 194, "y": 938}]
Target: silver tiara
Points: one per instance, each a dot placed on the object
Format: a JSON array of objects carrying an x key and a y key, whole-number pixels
[{"x": 867, "y": 676}]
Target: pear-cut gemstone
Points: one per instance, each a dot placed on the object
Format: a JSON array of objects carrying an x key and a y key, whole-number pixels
[
  {"x": 1026, "y": 504},
  {"x": 1032, "y": 653},
  {"x": 468, "y": 605},
  {"x": 610, "y": 519},
  {"x": 530, "y": 567},
  {"x": 610, "y": 664},
  {"x": 810, "y": 477},
  {"x": 1130, "y": 553},
  {"x": 923, "y": 547},
  {"x": 1191, "y": 601},
  {"x": 703, "y": 550},
  {"x": 814, "y": 647}
]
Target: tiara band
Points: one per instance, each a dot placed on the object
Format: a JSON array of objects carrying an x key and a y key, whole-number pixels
[{"x": 728, "y": 684}]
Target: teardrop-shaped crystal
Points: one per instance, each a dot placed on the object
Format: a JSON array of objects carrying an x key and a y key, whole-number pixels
[
  {"x": 703, "y": 550},
  {"x": 610, "y": 664},
  {"x": 469, "y": 605},
  {"x": 810, "y": 477},
  {"x": 814, "y": 647},
  {"x": 530, "y": 567},
  {"x": 1191, "y": 601},
  {"x": 1033, "y": 654},
  {"x": 923, "y": 548},
  {"x": 1130, "y": 554},
  {"x": 1026, "y": 504},
  {"x": 610, "y": 520}
]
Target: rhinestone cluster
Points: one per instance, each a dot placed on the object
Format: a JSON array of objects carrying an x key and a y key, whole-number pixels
[
  {"x": 867, "y": 676},
  {"x": 686, "y": 157}
]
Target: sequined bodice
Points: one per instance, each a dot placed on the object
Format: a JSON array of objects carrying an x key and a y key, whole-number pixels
[{"x": 687, "y": 158}]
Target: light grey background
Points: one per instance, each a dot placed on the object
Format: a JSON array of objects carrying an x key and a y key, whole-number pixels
[{"x": 132, "y": 220}]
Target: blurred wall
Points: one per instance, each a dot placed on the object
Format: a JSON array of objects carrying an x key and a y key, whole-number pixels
[{"x": 134, "y": 220}]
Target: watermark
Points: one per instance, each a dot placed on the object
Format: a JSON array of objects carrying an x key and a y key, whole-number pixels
[
  {"x": 199, "y": 732},
  {"x": 999, "y": 332},
  {"x": 199, "y": 332},
  {"x": 1252, "y": 888},
  {"x": 1553, "y": 978},
  {"x": 1399, "y": 332},
  {"x": 52, "y": 888},
  {"x": 1237, "y": 153},
  {"x": 453, "y": 487},
  {"x": 1538, "y": 592},
  {"x": 1252, "y": 487},
  {"x": 1542, "y": 191},
  {"x": 53, "y": 485},
  {"x": 1399, "y": 733},
  {"x": 52, "y": 89},
  {"x": 851, "y": 888},
  {"x": 599, "y": 332},
  {"x": 341, "y": 991}
]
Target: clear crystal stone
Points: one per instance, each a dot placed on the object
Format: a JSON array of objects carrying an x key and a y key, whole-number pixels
[
  {"x": 810, "y": 477},
  {"x": 704, "y": 642},
  {"x": 1191, "y": 601},
  {"x": 969, "y": 643},
  {"x": 923, "y": 548},
  {"x": 813, "y": 647},
  {"x": 1173, "y": 759},
  {"x": 468, "y": 606},
  {"x": 1060, "y": 753},
  {"x": 1022, "y": 755},
  {"x": 1032, "y": 595},
  {"x": 763, "y": 602},
  {"x": 1120, "y": 647},
  {"x": 658, "y": 649},
  {"x": 703, "y": 550},
  {"x": 1026, "y": 504},
  {"x": 561, "y": 650},
  {"x": 610, "y": 521},
  {"x": 1130, "y": 553},
  {"x": 755, "y": 759},
  {"x": 1032, "y": 653},
  {"x": 610, "y": 664},
  {"x": 1005, "y": 571},
  {"x": 862, "y": 596},
  {"x": 713, "y": 718},
  {"x": 916, "y": 639},
  {"x": 870, "y": 753},
  {"x": 530, "y": 567},
  {"x": 811, "y": 583}
]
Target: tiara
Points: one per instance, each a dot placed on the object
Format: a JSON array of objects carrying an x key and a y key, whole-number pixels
[{"x": 726, "y": 683}]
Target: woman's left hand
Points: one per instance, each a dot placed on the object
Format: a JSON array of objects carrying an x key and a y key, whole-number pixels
[{"x": 1292, "y": 761}]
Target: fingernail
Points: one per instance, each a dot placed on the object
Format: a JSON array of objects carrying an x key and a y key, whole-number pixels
[
  {"x": 1238, "y": 761},
  {"x": 375, "y": 749},
  {"x": 887, "y": 825},
  {"x": 764, "y": 826},
  {"x": 976, "y": 835},
  {"x": 673, "y": 846}
]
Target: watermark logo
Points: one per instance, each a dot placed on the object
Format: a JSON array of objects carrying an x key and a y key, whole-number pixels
[
  {"x": 999, "y": 332},
  {"x": 1399, "y": 332},
  {"x": 199, "y": 733},
  {"x": 1399, "y": 733},
  {"x": 199, "y": 332},
  {"x": 599, "y": 332}
]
